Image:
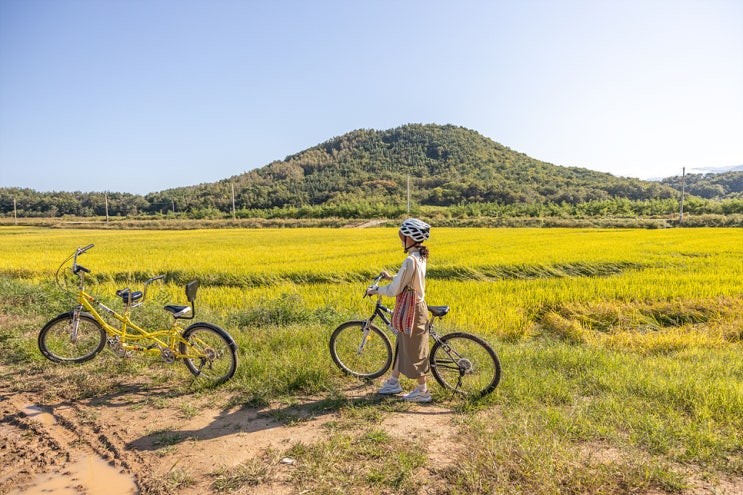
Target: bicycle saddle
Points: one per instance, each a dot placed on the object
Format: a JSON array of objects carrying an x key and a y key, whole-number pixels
[
  {"x": 177, "y": 311},
  {"x": 438, "y": 311},
  {"x": 128, "y": 296}
]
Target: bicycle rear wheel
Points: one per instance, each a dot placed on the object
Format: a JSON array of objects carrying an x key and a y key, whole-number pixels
[
  {"x": 212, "y": 352},
  {"x": 465, "y": 364},
  {"x": 61, "y": 342},
  {"x": 361, "y": 353}
]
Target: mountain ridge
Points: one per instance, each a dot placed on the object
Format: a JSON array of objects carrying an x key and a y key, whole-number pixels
[
  {"x": 376, "y": 172},
  {"x": 447, "y": 165}
]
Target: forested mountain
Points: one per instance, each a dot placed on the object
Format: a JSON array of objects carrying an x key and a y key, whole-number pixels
[
  {"x": 447, "y": 165},
  {"x": 367, "y": 171},
  {"x": 728, "y": 185}
]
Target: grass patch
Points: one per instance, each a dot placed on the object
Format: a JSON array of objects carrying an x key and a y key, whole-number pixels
[
  {"x": 170, "y": 482},
  {"x": 348, "y": 462},
  {"x": 254, "y": 472},
  {"x": 638, "y": 402}
]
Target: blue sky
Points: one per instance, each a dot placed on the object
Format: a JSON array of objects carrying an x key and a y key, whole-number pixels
[{"x": 144, "y": 95}]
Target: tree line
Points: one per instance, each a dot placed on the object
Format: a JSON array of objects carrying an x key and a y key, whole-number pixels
[
  {"x": 710, "y": 186},
  {"x": 369, "y": 173}
]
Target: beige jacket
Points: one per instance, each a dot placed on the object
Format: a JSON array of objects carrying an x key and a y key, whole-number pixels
[{"x": 412, "y": 273}]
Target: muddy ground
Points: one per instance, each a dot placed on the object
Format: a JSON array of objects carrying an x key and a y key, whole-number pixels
[
  {"x": 158, "y": 442},
  {"x": 153, "y": 441}
]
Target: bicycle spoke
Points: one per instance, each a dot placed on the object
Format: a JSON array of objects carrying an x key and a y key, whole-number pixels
[
  {"x": 65, "y": 339},
  {"x": 465, "y": 364},
  {"x": 361, "y": 349},
  {"x": 209, "y": 353}
]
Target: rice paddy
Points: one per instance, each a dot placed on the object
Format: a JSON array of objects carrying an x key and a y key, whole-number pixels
[
  {"x": 621, "y": 349},
  {"x": 499, "y": 282}
]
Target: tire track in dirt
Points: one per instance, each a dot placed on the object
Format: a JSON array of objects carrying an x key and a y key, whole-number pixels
[
  {"x": 44, "y": 449},
  {"x": 25, "y": 449},
  {"x": 178, "y": 442}
]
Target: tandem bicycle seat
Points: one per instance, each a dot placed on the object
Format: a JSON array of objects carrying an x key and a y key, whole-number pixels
[
  {"x": 177, "y": 311},
  {"x": 182, "y": 311},
  {"x": 128, "y": 296}
]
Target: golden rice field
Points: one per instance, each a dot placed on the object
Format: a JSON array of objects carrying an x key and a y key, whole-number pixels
[
  {"x": 499, "y": 282},
  {"x": 621, "y": 349}
]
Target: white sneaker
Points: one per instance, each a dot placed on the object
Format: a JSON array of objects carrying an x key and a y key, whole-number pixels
[
  {"x": 390, "y": 387},
  {"x": 418, "y": 395}
]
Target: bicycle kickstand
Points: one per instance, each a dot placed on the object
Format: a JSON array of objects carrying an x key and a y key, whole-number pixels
[
  {"x": 196, "y": 375},
  {"x": 456, "y": 389}
]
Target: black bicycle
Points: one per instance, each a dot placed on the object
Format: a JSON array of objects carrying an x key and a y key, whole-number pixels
[{"x": 460, "y": 362}]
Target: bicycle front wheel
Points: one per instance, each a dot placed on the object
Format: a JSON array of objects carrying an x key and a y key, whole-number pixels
[
  {"x": 62, "y": 341},
  {"x": 211, "y": 352},
  {"x": 360, "y": 350},
  {"x": 465, "y": 364}
]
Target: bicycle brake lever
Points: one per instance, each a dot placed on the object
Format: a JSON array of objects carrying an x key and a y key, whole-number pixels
[{"x": 373, "y": 286}]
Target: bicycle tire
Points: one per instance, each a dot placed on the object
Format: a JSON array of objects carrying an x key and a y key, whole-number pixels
[
  {"x": 219, "y": 362},
  {"x": 346, "y": 350},
  {"x": 466, "y": 364},
  {"x": 57, "y": 344}
]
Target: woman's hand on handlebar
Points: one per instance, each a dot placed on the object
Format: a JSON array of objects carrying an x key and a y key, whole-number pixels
[{"x": 373, "y": 289}]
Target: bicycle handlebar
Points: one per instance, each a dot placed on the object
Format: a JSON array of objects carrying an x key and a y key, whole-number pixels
[
  {"x": 374, "y": 285},
  {"x": 83, "y": 249},
  {"x": 147, "y": 282},
  {"x": 78, "y": 268}
]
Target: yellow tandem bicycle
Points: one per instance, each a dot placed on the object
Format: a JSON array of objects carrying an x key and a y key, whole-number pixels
[{"x": 207, "y": 350}]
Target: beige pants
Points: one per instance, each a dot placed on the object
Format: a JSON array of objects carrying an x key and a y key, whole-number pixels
[{"x": 412, "y": 350}]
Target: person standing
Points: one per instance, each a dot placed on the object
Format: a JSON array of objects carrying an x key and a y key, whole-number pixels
[{"x": 411, "y": 313}]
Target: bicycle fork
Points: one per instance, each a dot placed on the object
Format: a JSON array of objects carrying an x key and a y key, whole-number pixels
[
  {"x": 75, "y": 322},
  {"x": 365, "y": 336}
]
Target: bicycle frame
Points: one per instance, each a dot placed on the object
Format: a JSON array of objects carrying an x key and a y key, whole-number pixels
[
  {"x": 381, "y": 311},
  {"x": 130, "y": 335}
]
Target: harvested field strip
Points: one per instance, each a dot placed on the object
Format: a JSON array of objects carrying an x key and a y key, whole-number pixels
[{"x": 461, "y": 273}]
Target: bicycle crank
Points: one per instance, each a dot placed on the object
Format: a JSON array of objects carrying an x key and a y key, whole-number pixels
[
  {"x": 117, "y": 347},
  {"x": 167, "y": 355}
]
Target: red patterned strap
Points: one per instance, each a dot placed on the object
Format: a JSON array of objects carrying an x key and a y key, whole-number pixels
[{"x": 404, "y": 314}]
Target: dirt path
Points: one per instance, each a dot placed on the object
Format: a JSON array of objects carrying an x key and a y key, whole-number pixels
[
  {"x": 150, "y": 440},
  {"x": 136, "y": 442},
  {"x": 367, "y": 224}
]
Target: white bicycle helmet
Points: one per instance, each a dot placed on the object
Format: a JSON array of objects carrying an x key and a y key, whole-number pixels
[{"x": 416, "y": 229}]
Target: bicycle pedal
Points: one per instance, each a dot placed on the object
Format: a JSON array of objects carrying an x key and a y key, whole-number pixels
[{"x": 167, "y": 355}]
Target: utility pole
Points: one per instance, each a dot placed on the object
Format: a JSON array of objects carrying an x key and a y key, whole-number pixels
[
  {"x": 106, "y": 194},
  {"x": 15, "y": 213},
  {"x": 408, "y": 194},
  {"x": 233, "y": 200},
  {"x": 683, "y": 193}
]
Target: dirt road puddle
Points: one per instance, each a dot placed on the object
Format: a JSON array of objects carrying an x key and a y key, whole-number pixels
[
  {"x": 39, "y": 415},
  {"x": 85, "y": 473},
  {"x": 90, "y": 475}
]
